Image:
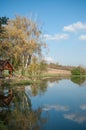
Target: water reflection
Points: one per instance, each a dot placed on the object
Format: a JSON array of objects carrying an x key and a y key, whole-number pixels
[
  {"x": 78, "y": 80},
  {"x": 56, "y": 103},
  {"x": 19, "y": 114},
  {"x": 83, "y": 107},
  {"x": 56, "y": 107},
  {"x": 79, "y": 118},
  {"x": 35, "y": 89},
  {"x": 6, "y": 97}
]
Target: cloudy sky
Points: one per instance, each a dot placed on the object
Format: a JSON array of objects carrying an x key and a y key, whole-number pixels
[{"x": 63, "y": 24}]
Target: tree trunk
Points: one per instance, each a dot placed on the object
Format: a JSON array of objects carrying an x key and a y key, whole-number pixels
[{"x": 28, "y": 61}]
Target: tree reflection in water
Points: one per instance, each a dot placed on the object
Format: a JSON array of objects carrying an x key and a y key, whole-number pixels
[
  {"x": 39, "y": 88},
  {"x": 19, "y": 114},
  {"x": 78, "y": 80}
]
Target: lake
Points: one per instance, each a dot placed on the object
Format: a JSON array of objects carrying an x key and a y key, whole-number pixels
[{"x": 58, "y": 104}]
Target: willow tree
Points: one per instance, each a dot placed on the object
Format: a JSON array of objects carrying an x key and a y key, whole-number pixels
[{"x": 24, "y": 35}]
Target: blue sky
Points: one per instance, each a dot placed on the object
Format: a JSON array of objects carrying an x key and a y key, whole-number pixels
[{"x": 64, "y": 26}]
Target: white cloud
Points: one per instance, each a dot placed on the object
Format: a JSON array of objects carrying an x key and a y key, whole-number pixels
[
  {"x": 78, "y": 26},
  {"x": 56, "y": 36},
  {"x": 49, "y": 59},
  {"x": 82, "y": 37}
]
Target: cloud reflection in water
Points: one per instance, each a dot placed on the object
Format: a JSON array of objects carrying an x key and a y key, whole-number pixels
[
  {"x": 75, "y": 117},
  {"x": 56, "y": 107}
]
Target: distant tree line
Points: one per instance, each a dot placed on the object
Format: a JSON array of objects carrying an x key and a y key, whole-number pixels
[
  {"x": 79, "y": 70},
  {"x": 58, "y": 66}
]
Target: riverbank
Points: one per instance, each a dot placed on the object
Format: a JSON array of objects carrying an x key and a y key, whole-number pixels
[
  {"x": 17, "y": 77},
  {"x": 19, "y": 80}
]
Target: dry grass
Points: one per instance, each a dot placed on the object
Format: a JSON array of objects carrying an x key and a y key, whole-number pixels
[{"x": 58, "y": 71}]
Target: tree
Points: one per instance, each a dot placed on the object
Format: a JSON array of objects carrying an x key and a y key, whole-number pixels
[
  {"x": 3, "y": 21},
  {"x": 4, "y": 45},
  {"x": 36, "y": 69},
  {"x": 24, "y": 36},
  {"x": 78, "y": 71}
]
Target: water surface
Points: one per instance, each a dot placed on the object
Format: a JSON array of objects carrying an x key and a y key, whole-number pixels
[{"x": 58, "y": 104}]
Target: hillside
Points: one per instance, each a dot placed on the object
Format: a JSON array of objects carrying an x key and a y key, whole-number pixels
[{"x": 58, "y": 71}]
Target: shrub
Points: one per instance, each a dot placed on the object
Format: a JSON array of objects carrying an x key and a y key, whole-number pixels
[{"x": 78, "y": 71}]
